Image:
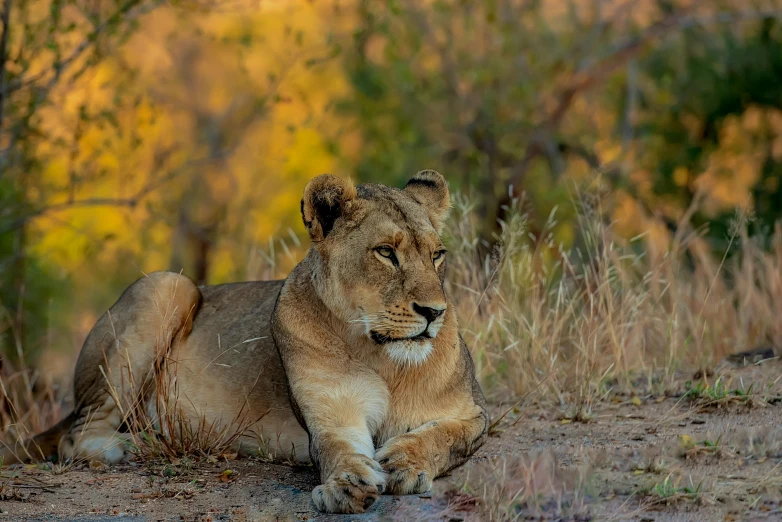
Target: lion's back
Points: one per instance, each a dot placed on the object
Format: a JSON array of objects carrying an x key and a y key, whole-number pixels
[{"x": 231, "y": 330}]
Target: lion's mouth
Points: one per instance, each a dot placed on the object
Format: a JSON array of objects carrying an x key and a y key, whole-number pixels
[{"x": 380, "y": 338}]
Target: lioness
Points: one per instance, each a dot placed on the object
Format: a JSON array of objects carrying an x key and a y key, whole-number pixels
[{"x": 354, "y": 362}]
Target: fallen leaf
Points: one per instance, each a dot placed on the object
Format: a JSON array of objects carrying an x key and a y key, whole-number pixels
[
  {"x": 686, "y": 442},
  {"x": 96, "y": 464}
]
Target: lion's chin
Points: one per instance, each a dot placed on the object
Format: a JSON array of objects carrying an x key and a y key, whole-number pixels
[{"x": 409, "y": 352}]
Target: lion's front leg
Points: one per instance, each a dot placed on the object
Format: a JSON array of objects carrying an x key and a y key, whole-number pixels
[
  {"x": 340, "y": 414},
  {"x": 413, "y": 460}
]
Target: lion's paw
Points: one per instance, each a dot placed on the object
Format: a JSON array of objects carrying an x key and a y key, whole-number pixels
[
  {"x": 353, "y": 488},
  {"x": 407, "y": 472},
  {"x": 109, "y": 448}
]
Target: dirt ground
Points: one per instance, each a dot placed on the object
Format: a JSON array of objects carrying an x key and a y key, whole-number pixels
[{"x": 641, "y": 456}]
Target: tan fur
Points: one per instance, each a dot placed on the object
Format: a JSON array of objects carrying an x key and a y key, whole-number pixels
[{"x": 354, "y": 362}]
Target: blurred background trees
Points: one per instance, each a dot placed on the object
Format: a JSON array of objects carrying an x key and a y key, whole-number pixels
[{"x": 139, "y": 135}]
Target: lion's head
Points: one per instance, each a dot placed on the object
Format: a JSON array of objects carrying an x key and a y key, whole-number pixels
[{"x": 379, "y": 260}]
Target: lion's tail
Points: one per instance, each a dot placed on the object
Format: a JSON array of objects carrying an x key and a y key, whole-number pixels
[{"x": 42, "y": 446}]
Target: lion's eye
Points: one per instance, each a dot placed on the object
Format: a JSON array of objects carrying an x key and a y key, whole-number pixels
[
  {"x": 385, "y": 251},
  {"x": 438, "y": 255},
  {"x": 388, "y": 253}
]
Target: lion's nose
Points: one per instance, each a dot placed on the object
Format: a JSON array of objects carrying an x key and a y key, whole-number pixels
[{"x": 430, "y": 313}]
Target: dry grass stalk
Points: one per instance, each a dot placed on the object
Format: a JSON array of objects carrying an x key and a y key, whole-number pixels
[
  {"x": 28, "y": 403},
  {"x": 609, "y": 309},
  {"x": 528, "y": 486}
]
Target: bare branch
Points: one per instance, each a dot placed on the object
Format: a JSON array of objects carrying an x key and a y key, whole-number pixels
[
  {"x": 90, "y": 202},
  {"x": 151, "y": 186},
  {"x": 590, "y": 74},
  {"x": 127, "y": 11}
]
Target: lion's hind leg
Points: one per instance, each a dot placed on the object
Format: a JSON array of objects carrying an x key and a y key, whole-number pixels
[{"x": 116, "y": 367}]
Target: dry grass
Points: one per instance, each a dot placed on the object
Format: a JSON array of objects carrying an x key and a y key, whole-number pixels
[
  {"x": 567, "y": 324},
  {"x": 528, "y": 486},
  {"x": 29, "y": 404}
]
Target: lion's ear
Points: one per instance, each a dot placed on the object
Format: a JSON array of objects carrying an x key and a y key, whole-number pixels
[
  {"x": 429, "y": 188},
  {"x": 325, "y": 200}
]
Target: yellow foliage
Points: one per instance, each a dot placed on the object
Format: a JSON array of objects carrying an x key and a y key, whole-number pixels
[
  {"x": 608, "y": 151},
  {"x": 735, "y": 167},
  {"x": 628, "y": 218},
  {"x": 681, "y": 176},
  {"x": 187, "y": 127}
]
